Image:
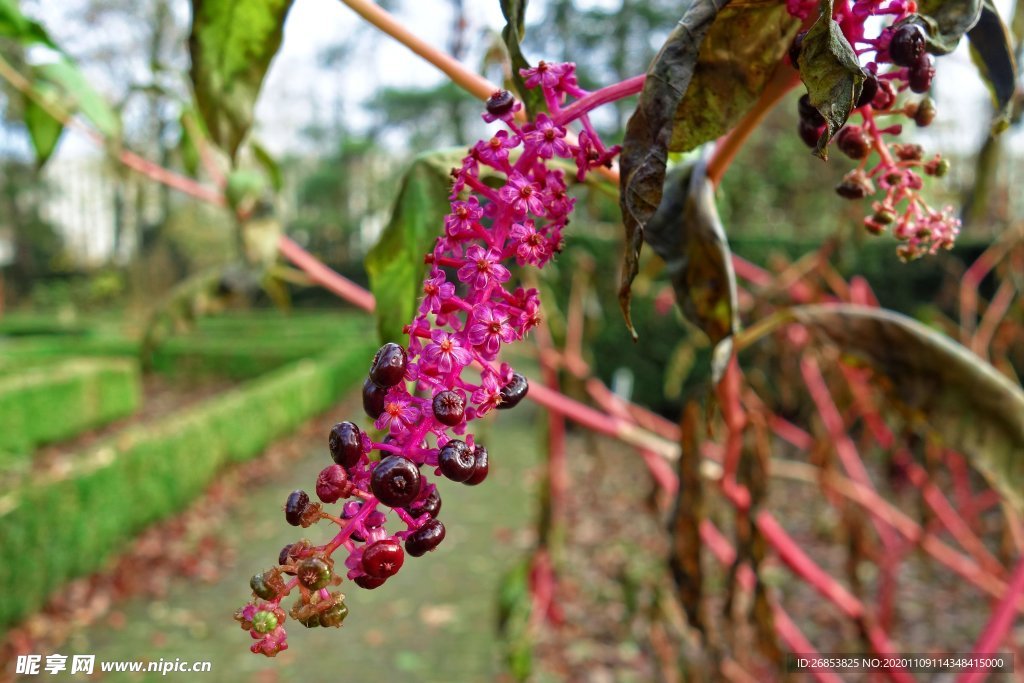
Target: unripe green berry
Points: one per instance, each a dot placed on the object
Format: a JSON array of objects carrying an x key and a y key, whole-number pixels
[
  {"x": 264, "y": 622},
  {"x": 314, "y": 573}
]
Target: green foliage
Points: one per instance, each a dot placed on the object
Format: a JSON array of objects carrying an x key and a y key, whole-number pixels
[
  {"x": 232, "y": 44},
  {"x": 513, "y": 34},
  {"x": 395, "y": 264},
  {"x": 54, "y": 530},
  {"x": 51, "y": 403},
  {"x": 738, "y": 56},
  {"x": 829, "y": 69},
  {"x": 58, "y": 83},
  {"x": 645, "y": 147}
]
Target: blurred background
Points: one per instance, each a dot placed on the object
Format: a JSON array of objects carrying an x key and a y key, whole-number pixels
[{"x": 128, "y": 336}]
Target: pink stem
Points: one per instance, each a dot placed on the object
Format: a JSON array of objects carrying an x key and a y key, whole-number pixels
[
  {"x": 611, "y": 93},
  {"x": 1000, "y": 622}
]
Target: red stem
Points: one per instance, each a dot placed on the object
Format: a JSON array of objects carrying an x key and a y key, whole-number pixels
[{"x": 1000, "y": 622}]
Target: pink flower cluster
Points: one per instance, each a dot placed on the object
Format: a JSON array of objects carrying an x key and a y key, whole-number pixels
[
  {"x": 897, "y": 66},
  {"x": 447, "y": 375}
]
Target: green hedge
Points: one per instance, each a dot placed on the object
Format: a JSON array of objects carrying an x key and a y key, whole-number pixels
[
  {"x": 246, "y": 345},
  {"x": 52, "y": 531},
  {"x": 46, "y": 404}
]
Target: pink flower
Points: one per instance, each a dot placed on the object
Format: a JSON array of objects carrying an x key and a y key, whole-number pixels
[
  {"x": 488, "y": 395},
  {"x": 489, "y": 329},
  {"x": 531, "y": 247},
  {"x": 446, "y": 352},
  {"x": 547, "y": 75},
  {"x": 495, "y": 151},
  {"x": 399, "y": 412},
  {"x": 435, "y": 291},
  {"x": 462, "y": 218},
  {"x": 548, "y": 138},
  {"x": 483, "y": 267},
  {"x": 522, "y": 195}
]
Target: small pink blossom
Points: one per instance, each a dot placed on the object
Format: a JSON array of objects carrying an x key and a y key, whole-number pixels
[
  {"x": 548, "y": 138},
  {"x": 531, "y": 248},
  {"x": 495, "y": 151},
  {"x": 399, "y": 412},
  {"x": 435, "y": 291},
  {"x": 489, "y": 329},
  {"x": 523, "y": 195},
  {"x": 483, "y": 267},
  {"x": 446, "y": 352},
  {"x": 464, "y": 215},
  {"x": 488, "y": 395}
]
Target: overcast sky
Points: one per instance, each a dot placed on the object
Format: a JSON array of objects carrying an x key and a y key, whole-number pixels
[{"x": 299, "y": 90}]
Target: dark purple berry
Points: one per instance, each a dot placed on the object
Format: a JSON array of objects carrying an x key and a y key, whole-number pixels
[
  {"x": 368, "y": 582},
  {"x": 500, "y": 103},
  {"x": 346, "y": 442},
  {"x": 373, "y": 398},
  {"x": 868, "y": 90},
  {"x": 809, "y": 133},
  {"x": 456, "y": 460},
  {"x": 395, "y": 481},
  {"x": 388, "y": 367},
  {"x": 314, "y": 573},
  {"x": 480, "y": 466},
  {"x": 430, "y": 505},
  {"x": 808, "y": 112},
  {"x": 907, "y": 45},
  {"x": 296, "y": 505},
  {"x": 332, "y": 483},
  {"x": 383, "y": 559},
  {"x": 795, "y": 48},
  {"x": 425, "y": 539},
  {"x": 853, "y": 142},
  {"x": 282, "y": 557},
  {"x": 921, "y": 74},
  {"x": 513, "y": 392},
  {"x": 449, "y": 407}
]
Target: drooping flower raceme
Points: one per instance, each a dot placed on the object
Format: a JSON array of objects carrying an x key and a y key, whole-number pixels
[
  {"x": 898, "y": 68},
  {"x": 423, "y": 395}
]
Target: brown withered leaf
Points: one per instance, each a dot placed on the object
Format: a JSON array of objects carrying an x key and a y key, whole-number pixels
[
  {"x": 687, "y": 234},
  {"x": 649, "y": 132},
  {"x": 737, "y": 58},
  {"x": 962, "y": 399}
]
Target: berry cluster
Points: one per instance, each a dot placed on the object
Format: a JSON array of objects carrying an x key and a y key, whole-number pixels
[
  {"x": 896, "y": 61},
  {"x": 423, "y": 395}
]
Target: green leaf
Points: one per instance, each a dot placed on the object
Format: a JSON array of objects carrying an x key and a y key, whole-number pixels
[
  {"x": 14, "y": 24},
  {"x": 232, "y": 44},
  {"x": 513, "y": 34},
  {"x": 395, "y": 264},
  {"x": 78, "y": 96},
  {"x": 649, "y": 132},
  {"x": 992, "y": 53},
  {"x": 686, "y": 232},
  {"x": 43, "y": 129},
  {"x": 829, "y": 69},
  {"x": 737, "y": 58},
  {"x": 969, "y": 404},
  {"x": 946, "y": 22},
  {"x": 269, "y": 164},
  {"x": 188, "y": 146}
]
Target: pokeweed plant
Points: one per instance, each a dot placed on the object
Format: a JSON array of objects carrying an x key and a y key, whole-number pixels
[{"x": 717, "y": 74}]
